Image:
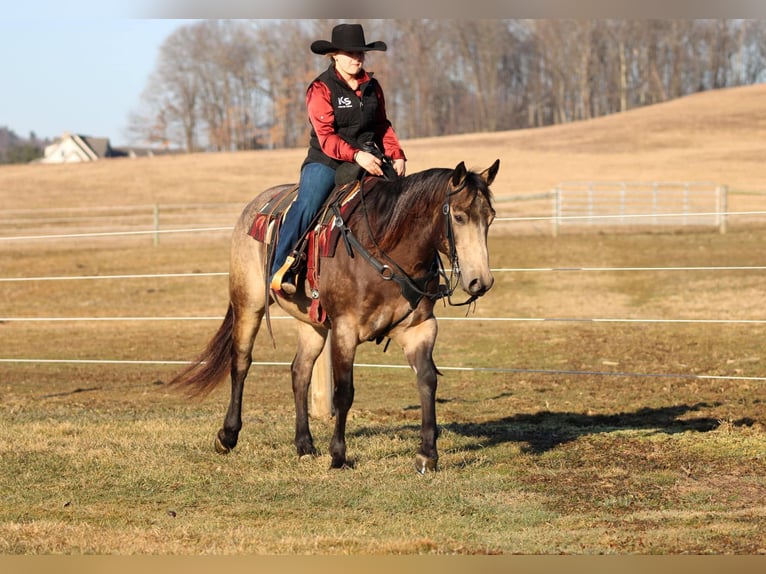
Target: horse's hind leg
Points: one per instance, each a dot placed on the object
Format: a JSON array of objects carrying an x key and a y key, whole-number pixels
[
  {"x": 246, "y": 324},
  {"x": 310, "y": 344},
  {"x": 248, "y": 299}
]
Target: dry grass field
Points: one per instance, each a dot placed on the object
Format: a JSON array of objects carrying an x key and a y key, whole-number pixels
[{"x": 632, "y": 436}]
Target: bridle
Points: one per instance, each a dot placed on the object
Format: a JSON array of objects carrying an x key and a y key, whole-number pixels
[
  {"x": 454, "y": 276},
  {"x": 412, "y": 289}
]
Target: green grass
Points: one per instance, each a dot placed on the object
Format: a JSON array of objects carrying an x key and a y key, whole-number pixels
[
  {"x": 105, "y": 459},
  {"x": 98, "y": 477}
]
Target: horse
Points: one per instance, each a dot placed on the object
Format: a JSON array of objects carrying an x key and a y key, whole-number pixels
[{"x": 383, "y": 285}]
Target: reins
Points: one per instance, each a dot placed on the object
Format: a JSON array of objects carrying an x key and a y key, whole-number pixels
[{"x": 413, "y": 290}]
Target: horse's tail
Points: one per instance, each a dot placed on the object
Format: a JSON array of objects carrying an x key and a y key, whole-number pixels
[{"x": 212, "y": 366}]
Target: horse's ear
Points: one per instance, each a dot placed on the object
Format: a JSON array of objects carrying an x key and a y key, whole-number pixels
[
  {"x": 458, "y": 176},
  {"x": 488, "y": 175}
]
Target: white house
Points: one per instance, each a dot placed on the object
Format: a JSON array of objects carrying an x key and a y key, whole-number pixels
[{"x": 74, "y": 148}]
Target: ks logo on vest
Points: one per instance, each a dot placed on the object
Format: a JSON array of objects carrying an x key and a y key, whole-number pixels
[{"x": 344, "y": 102}]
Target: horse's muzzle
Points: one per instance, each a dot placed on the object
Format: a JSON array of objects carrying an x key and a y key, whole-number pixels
[{"x": 478, "y": 286}]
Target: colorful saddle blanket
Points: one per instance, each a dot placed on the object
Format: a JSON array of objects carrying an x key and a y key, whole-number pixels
[{"x": 320, "y": 240}]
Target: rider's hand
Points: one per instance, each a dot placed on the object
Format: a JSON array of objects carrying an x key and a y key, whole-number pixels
[
  {"x": 399, "y": 167},
  {"x": 369, "y": 162}
]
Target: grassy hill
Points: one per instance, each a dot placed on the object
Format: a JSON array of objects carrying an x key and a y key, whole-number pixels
[{"x": 717, "y": 136}]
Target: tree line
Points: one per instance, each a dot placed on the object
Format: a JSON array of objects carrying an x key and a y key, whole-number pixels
[
  {"x": 16, "y": 149},
  {"x": 231, "y": 84}
]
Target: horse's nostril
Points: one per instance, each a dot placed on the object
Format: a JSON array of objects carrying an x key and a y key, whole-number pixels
[{"x": 477, "y": 287}]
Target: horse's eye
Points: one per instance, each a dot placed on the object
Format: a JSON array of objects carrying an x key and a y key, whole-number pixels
[{"x": 459, "y": 218}]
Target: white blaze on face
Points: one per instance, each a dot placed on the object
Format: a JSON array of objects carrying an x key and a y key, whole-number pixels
[{"x": 473, "y": 255}]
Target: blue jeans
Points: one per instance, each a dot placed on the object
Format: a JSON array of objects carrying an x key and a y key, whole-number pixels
[{"x": 316, "y": 183}]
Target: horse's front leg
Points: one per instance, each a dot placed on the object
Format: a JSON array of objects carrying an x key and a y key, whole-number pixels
[
  {"x": 310, "y": 344},
  {"x": 418, "y": 344},
  {"x": 343, "y": 352}
]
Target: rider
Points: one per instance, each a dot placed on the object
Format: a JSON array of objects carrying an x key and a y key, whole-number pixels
[{"x": 346, "y": 107}]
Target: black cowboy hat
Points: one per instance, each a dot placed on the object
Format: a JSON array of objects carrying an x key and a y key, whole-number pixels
[{"x": 346, "y": 38}]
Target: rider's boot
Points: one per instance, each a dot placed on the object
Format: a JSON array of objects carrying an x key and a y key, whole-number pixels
[{"x": 283, "y": 279}]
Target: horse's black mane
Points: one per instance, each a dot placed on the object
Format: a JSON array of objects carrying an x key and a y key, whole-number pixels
[{"x": 393, "y": 206}]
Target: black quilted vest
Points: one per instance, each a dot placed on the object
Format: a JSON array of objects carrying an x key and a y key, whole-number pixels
[{"x": 354, "y": 116}]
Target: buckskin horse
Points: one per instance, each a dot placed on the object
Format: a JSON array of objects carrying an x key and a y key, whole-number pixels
[{"x": 384, "y": 284}]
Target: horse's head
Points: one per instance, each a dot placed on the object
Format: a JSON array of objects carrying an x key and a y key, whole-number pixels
[{"x": 469, "y": 215}]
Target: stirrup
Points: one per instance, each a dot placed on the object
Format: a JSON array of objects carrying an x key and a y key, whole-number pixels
[{"x": 276, "y": 280}]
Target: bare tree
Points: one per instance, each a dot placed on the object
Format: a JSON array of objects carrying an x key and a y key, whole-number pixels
[
  {"x": 286, "y": 67},
  {"x": 170, "y": 102},
  {"x": 226, "y": 65},
  {"x": 229, "y": 85}
]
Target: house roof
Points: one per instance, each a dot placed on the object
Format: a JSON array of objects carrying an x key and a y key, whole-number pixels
[
  {"x": 78, "y": 147},
  {"x": 100, "y": 146}
]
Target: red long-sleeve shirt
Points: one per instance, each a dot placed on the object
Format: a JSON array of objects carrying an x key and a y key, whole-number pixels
[{"x": 321, "y": 115}]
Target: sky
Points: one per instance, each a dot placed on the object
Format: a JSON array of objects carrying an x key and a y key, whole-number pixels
[
  {"x": 81, "y": 66},
  {"x": 75, "y": 74}
]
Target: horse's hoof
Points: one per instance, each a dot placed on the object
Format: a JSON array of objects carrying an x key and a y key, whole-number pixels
[
  {"x": 342, "y": 465},
  {"x": 221, "y": 448},
  {"x": 307, "y": 452},
  {"x": 425, "y": 464}
]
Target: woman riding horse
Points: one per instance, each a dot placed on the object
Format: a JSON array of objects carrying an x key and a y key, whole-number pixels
[
  {"x": 346, "y": 107},
  {"x": 383, "y": 285}
]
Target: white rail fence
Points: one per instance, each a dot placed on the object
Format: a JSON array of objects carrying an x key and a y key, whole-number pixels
[
  {"x": 111, "y": 221},
  {"x": 461, "y": 319},
  {"x": 588, "y": 203},
  {"x": 629, "y": 203},
  {"x": 598, "y": 205}
]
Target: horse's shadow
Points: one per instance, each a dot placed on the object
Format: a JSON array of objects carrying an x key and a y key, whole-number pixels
[{"x": 545, "y": 430}]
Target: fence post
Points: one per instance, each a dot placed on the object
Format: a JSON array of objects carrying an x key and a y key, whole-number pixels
[
  {"x": 722, "y": 199},
  {"x": 322, "y": 385},
  {"x": 156, "y": 224},
  {"x": 556, "y": 211},
  {"x": 623, "y": 200}
]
